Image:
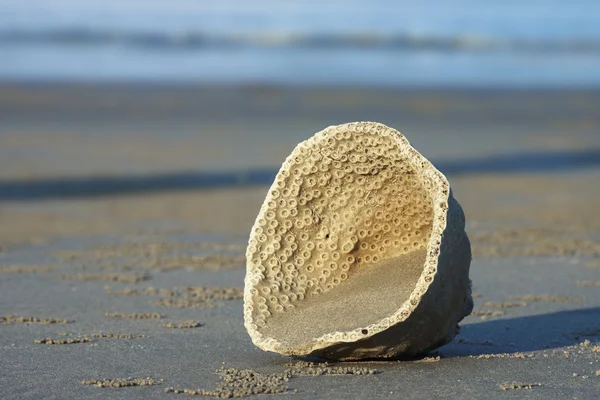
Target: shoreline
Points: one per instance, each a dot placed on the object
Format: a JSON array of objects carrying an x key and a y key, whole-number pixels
[{"x": 191, "y": 84}]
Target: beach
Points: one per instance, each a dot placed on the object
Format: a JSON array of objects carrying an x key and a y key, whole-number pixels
[{"x": 126, "y": 208}]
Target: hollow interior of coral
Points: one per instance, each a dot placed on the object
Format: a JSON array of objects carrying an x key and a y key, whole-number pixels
[
  {"x": 374, "y": 293},
  {"x": 341, "y": 239}
]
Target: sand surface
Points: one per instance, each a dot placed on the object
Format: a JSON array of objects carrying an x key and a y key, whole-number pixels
[
  {"x": 367, "y": 297},
  {"x": 124, "y": 213}
]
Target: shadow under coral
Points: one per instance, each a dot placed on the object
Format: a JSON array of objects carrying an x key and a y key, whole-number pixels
[
  {"x": 527, "y": 333},
  {"x": 513, "y": 335}
]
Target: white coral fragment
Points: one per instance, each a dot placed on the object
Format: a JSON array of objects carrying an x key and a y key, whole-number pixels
[{"x": 359, "y": 251}]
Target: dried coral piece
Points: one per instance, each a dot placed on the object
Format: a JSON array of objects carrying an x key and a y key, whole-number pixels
[{"x": 359, "y": 251}]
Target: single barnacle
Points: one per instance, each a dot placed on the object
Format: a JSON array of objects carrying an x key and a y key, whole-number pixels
[{"x": 377, "y": 262}]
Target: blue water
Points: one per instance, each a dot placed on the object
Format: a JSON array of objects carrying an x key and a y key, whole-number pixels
[{"x": 352, "y": 42}]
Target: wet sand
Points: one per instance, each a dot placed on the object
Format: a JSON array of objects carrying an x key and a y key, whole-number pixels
[{"x": 137, "y": 201}]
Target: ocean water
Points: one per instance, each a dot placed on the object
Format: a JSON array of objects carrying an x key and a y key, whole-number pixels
[{"x": 459, "y": 43}]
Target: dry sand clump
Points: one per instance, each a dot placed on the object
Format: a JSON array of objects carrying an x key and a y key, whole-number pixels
[
  {"x": 530, "y": 241},
  {"x": 185, "y": 296},
  {"x": 171, "y": 302},
  {"x": 127, "y": 336},
  {"x": 585, "y": 343},
  {"x": 26, "y": 269},
  {"x": 157, "y": 255},
  {"x": 134, "y": 315},
  {"x": 588, "y": 283},
  {"x": 356, "y": 228},
  {"x": 236, "y": 383},
  {"x": 148, "y": 291},
  {"x": 183, "y": 324},
  {"x": 304, "y": 368},
  {"x": 15, "y": 319},
  {"x": 145, "y": 248},
  {"x": 529, "y": 298},
  {"x": 189, "y": 262},
  {"x": 429, "y": 359},
  {"x": 206, "y": 293},
  {"x": 122, "y": 382},
  {"x": 504, "y": 304},
  {"x": 593, "y": 264},
  {"x": 197, "y": 297},
  {"x": 518, "y": 385},
  {"x": 518, "y": 355},
  {"x": 484, "y": 314},
  {"x": 563, "y": 353},
  {"x": 49, "y": 340},
  {"x": 195, "y": 263},
  {"x": 217, "y": 261},
  {"x": 121, "y": 278}
]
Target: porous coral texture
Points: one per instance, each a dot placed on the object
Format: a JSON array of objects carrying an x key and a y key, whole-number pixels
[{"x": 341, "y": 241}]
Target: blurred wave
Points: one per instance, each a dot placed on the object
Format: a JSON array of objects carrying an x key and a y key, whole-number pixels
[
  {"x": 194, "y": 40},
  {"x": 387, "y": 43}
]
